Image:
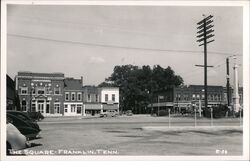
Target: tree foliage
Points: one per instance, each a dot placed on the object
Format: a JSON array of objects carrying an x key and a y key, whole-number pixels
[{"x": 137, "y": 84}]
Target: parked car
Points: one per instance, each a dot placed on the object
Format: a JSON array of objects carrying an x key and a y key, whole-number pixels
[
  {"x": 129, "y": 113},
  {"x": 15, "y": 140},
  {"x": 29, "y": 129},
  {"x": 25, "y": 117},
  {"x": 35, "y": 115},
  {"x": 22, "y": 115},
  {"x": 111, "y": 113}
]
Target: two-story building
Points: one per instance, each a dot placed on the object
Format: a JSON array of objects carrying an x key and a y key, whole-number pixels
[
  {"x": 102, "y": 99},
  {"x": 41, "y": 92},
  {"x": 91, "y": 100},
  {"x": 109, "y": 98},
  {"x": 73, "y": 97},
  {"x": 188, "y": 97}
]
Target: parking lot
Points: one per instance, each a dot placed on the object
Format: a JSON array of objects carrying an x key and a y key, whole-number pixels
[{"x": 126, "y": 135}]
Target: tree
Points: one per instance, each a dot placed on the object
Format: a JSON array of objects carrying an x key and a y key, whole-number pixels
[{"x": 138, "y": 84}]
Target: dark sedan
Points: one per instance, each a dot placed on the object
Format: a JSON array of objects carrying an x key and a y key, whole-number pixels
[{"x": 27, "y": 127}]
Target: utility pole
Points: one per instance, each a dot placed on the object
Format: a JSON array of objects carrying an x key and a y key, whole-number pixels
[
  {"x": 205, "y": 33},
  {"x": 228, "y": 84}
]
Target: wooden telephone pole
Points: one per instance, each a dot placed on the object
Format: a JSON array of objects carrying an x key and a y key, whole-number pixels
[{"x": 204, "y": 34}]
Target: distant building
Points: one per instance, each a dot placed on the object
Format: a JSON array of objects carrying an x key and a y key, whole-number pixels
[
  {"x": 41, "y": 92},
  {"x": 162, "y": 100},
  {"x": 186, "y": 98}
]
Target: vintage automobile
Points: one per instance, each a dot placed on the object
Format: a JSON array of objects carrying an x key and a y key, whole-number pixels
[
  {"x": 129, "y": 113},
  {"x": 111, "y": 113},
  {"x": 25, "y": 117},
  {"x": 22, "y": 115},
  {"x": 15, "y": 140},
  {"x": 30, "y": 129},
  {"x": 35, "y": 115}
]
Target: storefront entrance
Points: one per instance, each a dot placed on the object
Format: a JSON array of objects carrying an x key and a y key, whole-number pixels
[{"x": 41, "y": 106}]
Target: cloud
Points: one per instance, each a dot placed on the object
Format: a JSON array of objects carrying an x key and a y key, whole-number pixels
[{"x": 96, "y": 60}]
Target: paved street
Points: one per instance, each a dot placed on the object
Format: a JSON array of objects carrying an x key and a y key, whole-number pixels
[{"x": 126, "y": 136}]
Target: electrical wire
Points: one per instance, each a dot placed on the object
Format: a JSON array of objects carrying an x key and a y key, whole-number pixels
[{"x": 114, "y": 46}]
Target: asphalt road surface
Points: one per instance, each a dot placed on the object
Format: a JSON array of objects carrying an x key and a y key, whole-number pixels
[{"x": 125, "y": 136}]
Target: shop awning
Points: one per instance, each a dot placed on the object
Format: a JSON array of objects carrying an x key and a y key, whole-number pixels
[
  {"x": 92, "y": 106},
  {"x": 110, "y": 107}
]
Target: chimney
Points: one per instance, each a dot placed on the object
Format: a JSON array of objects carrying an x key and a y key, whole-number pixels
[{"x": 82, "y": 80}]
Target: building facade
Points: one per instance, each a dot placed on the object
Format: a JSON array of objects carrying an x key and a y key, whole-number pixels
[
  {"x": 91, "y": 100},
  {"x": 41, "y": 92},
  {"x": 12, "y": 100},
  {"x": 54, "y": 95},
  {"x": 162, "y": 100},
  {"x": 109, "y": 98},
  {"x": 188, "y": 97},
  {"x": 73, "y": 97}
]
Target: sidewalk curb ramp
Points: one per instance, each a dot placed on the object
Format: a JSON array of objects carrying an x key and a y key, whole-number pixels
[{"x": 193, "y": 128}]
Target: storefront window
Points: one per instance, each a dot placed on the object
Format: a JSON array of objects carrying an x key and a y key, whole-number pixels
[
  {"x": 79, "y": 109},
  {"x": 73, "y": 108}
]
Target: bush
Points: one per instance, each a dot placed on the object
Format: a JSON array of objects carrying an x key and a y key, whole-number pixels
[
  {"x": 163, "y": 113},
  {"x": 218, "y": 111}
]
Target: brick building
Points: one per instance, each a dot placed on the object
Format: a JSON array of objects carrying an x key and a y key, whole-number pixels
[
  {"x": 91, "y": 100},
  {"x": 54, "y": 95},
  {"x": 41, "y": 92},
  {"x": 73, "y": 97},
  {"x": 188, "y": 97}
]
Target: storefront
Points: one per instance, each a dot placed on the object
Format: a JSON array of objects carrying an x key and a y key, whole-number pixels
[{"x": 93, "y": 108}]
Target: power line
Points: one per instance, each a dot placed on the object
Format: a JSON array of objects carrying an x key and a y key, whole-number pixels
[
  {"x": 113, "y": 46},
  {"x": 197, "y": 71}
]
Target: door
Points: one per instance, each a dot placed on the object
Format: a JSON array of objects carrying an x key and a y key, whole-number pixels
[{"x": 41, "y": 106}]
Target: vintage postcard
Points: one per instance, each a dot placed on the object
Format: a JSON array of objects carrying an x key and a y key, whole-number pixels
[{"x": 124, "y": 80}]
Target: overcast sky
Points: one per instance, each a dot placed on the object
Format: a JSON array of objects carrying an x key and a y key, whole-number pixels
[{"x": 89, "y": 41}]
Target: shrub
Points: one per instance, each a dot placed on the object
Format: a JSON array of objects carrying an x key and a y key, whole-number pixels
[
  {"x": 218, "y": 111},
  {"x": 163, "y": 113}
]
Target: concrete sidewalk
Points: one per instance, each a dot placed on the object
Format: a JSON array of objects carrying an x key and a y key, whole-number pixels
[
  {"x": 193, "y": 128},
  {"x": 63, "y": 118}
]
